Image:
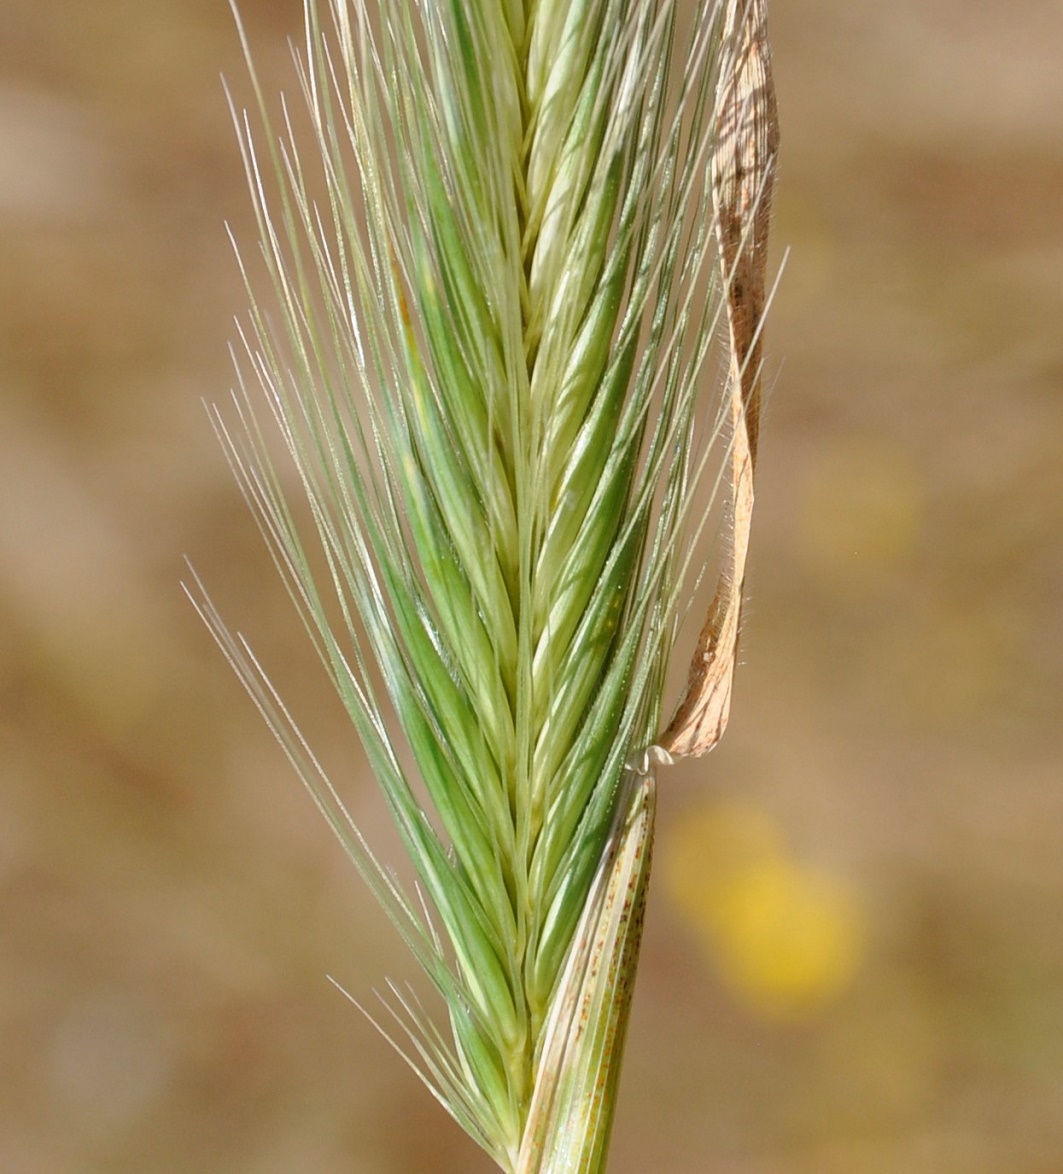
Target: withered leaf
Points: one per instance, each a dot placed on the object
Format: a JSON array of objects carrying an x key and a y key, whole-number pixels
[{"x": 743, "y": 169}]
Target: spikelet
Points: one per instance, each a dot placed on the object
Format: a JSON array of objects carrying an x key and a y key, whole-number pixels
[{"x": 481, "y": 344}]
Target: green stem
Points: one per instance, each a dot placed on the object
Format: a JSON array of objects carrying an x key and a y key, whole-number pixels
[{"x": 578, "y": 1068}]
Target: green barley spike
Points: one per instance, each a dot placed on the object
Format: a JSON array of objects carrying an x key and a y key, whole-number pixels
[{"x": 487, "y": 290}]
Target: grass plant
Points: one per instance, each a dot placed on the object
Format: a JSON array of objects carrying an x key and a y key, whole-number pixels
[{"x": 480, "y": 329}]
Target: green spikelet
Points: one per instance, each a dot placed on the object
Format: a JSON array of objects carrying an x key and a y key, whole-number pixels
[{"x": 481, "y": 341}]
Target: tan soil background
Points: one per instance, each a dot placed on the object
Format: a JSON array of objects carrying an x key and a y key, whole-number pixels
[{"x": 170, "y": 902}]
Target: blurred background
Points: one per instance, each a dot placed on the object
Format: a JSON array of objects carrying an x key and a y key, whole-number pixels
[{"x": 854, "y": 956}]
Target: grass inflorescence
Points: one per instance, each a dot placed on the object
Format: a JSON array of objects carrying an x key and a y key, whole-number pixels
[{"x": 479, "y": 328}]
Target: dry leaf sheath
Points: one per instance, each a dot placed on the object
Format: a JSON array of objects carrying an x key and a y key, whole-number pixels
[
  {"x": 743, "y": 172},
  {"x": 479, "y": 328}
]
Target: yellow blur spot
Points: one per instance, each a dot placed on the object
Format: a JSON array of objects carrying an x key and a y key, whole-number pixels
[{"x": 787, "y": 939}]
